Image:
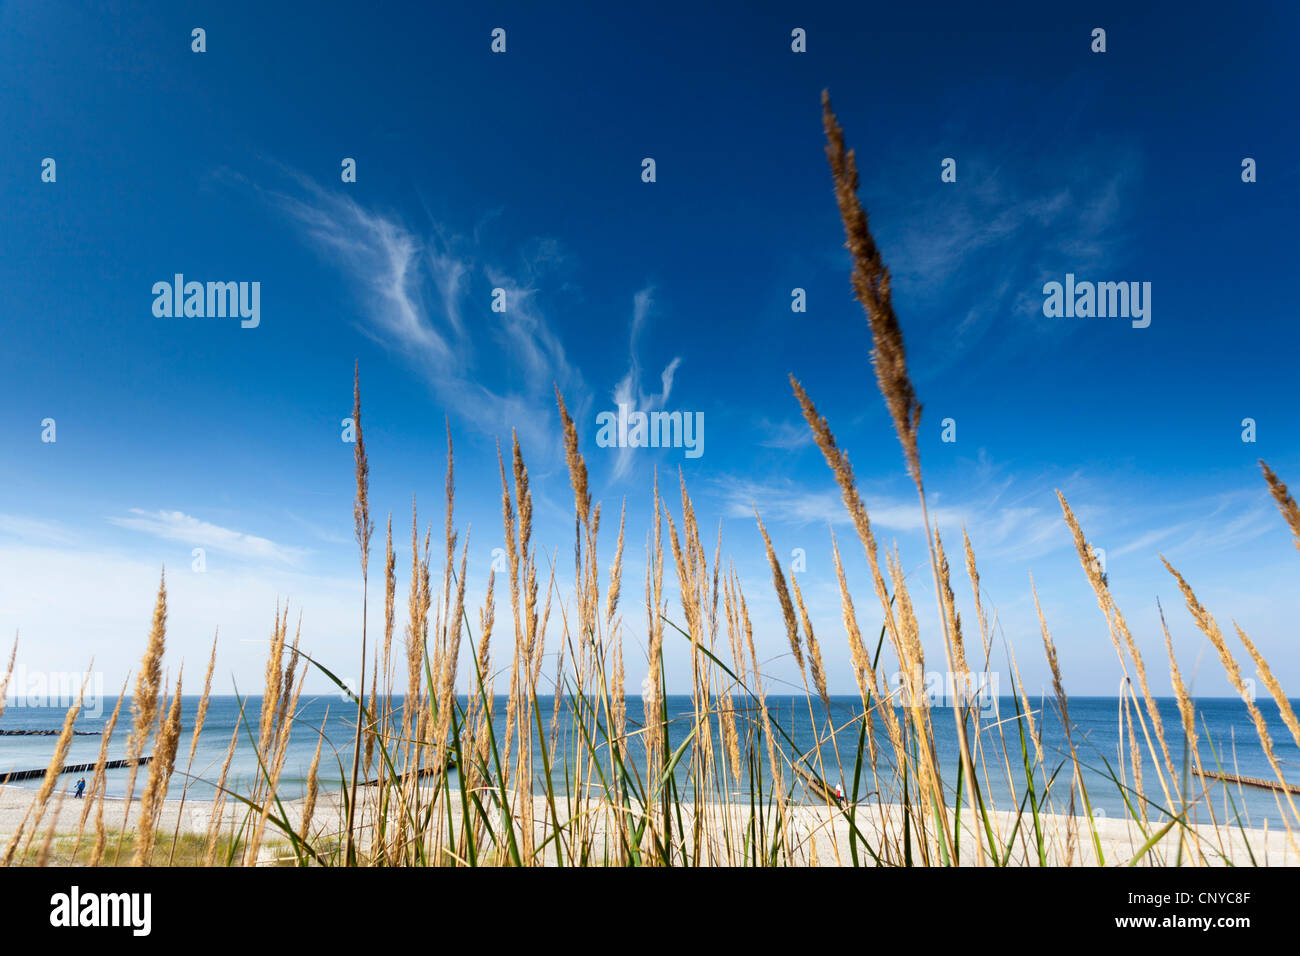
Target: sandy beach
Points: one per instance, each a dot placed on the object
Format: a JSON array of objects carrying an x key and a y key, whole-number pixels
[{"x": 818, "y": 833}]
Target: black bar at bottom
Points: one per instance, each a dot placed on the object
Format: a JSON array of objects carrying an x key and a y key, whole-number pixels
[{"x": 332, "y": 906}]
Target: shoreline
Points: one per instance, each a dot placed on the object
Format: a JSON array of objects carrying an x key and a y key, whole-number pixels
[{"x": 817, "y": 831}]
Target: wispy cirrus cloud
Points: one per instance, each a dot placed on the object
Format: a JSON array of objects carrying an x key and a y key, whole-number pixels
[
  {"x": 179, "y": 526},
  {"x": 414, "y": 290},
  {"x": 528, "y": 337},
  {"x": 977, "y": 252},
  {"x": 1017, "y": 518},
  {"x": 1204, "y": 525},
  {"x": 628, "y": 391},
  {"x": 794, "y": 503},
  {"x": 36, "y": 530},
  {"x": 784, "y": 435},
  {"x": 385, "y": 258},
  {"x": 1006, "y": 521}
]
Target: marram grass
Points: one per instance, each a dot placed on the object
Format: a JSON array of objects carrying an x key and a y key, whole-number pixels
[{"x": 445, "y": 782}]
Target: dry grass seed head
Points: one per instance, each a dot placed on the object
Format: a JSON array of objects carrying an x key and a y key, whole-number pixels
[{"x": 871, "y": 285}]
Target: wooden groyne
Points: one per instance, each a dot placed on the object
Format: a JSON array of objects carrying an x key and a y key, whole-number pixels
[
  {"x": 1251, "y": 781},
  {"x": 424, "y": 772},
  {"x": 817, "y": 786},
  {"x": 47, "y": 733},
  {"x": 69, "y": 768}
]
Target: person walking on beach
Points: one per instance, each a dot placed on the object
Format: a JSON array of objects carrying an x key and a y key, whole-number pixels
[{"x": 81, "y": 788}]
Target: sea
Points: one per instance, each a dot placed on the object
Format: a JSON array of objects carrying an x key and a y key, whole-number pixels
[{"x": 1227, "y": 740}]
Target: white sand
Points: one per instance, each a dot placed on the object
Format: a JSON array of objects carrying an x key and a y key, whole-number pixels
[{"x": 1120, "y": 839}]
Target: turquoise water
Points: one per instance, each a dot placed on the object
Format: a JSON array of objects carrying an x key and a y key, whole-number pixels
[{"x": 1224, "y": 726}]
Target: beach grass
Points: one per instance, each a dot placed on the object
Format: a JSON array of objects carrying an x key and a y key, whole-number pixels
[
  {"x": 186, "y": 849},
  {"x": 717, "y": 787}
]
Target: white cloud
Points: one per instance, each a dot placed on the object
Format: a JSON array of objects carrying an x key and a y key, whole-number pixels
[
  {"x": 989, "y": 244},
  {"x": 528, "y": 337},
  {"x": 178, "y": 526},
  {"x": 785, "y": 435},
  {"x": 628, "y": 390},
  {"x": 385, "y": 257},
  {"x": 415, "y": 291},
  {"x": 1204, "y": 525},
  {"x": 788, "y": 502},
  {"x": 35, "y": 529}
]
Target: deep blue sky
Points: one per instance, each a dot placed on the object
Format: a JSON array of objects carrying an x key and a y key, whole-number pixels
[{"x": 522, "y": 171}]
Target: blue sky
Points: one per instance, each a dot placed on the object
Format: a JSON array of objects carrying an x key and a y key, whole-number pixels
[{"x": 522, "y": 171}]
